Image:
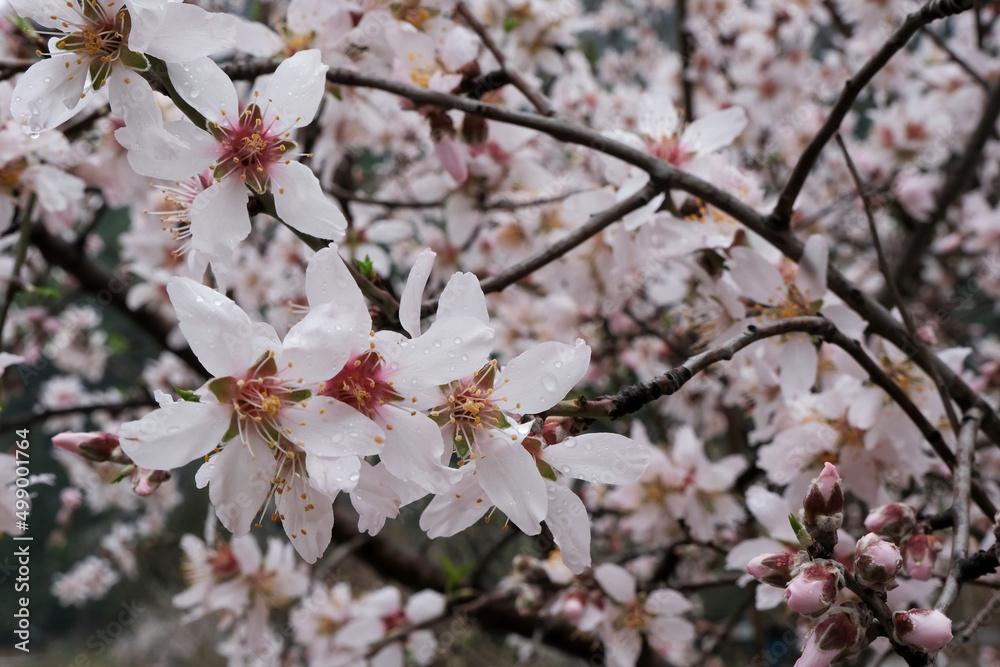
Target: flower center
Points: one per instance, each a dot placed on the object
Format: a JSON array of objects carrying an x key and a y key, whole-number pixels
[
  {"x": 250, "y": 148},
  {"x": 471, "y": 408},
  {"x": 102, "y": 38},
  {"x": 362, "y": 384}
]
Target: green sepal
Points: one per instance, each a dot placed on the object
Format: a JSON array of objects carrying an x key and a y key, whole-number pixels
[
  {"x": 136, "y": 61},
  {"x": 224, "y": 389},
  {"x": 814, "y": 306},
  {"x": 234, "y": 429},
  {"x": 511, "y": 22},
  {"x": 300, "y": 395},
  {"x": 461, "y": 445},
  {"x": 801, "y": 534},
  {"x": 501, "y": 421},
  {"x": 545, "y": 469},
  {"x": 99, "y": 71},
  {"x": 123, "y": 473},
  {"x": 187, "y": 395}
]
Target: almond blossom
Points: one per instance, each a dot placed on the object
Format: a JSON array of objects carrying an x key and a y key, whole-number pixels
[
  {"x": 278, "y": 440},
  {"x": 247, "y": 147},
  {"x": 100, "y": 42}
]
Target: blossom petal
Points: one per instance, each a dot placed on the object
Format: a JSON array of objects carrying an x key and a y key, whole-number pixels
[
  {"x": 329, "y": 428},
  {"x": 219, "y": 218},
  {"x": 811, "y": 278},
  {"x": 175, "y": 434},
  {"x": 187, "y": 32},
  {"x": 300, "y": 202},
  {"x": 714, "y": 131},
  {"x": 605, "y": 458},
  {"x": 218, "y": 331},
  {"x": 799, "y": 360},
  {"x": 452, "y": 512},
  {"x": 333, "y": 475},
  {"x": 616, "y": 581},
  {"x": 756, "y": 276},
  {"x": 328, "y": 279},
  {"x": 296, "y": 88},
  {"x": 463, "y": 296},
  {"x": 240, "y": 483},
  {"x": 509, "y": 477},
  {"x": 413, "y": 450},
  {"x": 207, "y": 88},
  {"x": 537, "y": 379},
  {"x": 39, "y": 105},
  {"x": 319, "y": 345},
  {"x": 451, "y": 348},
  {"x": 570, "y": 525},
  {"x": 310, "y": 531},
  {"x": 413, "y": 292}
]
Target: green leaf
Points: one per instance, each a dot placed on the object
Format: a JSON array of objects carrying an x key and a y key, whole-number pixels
[
  {"x": 453, "y": 574},
  {"x": 187, "y": 395},
  {"x": 511, "y": 22},
  {"x": 367, "y": 270},
  {"x": 123, "y": 473}
]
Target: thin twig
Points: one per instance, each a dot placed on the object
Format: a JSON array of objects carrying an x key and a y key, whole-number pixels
[
  {"x": 685, "y": 46},
  {"x": 18, "y": 421},
  {"x": 960, "y": 508},
  {"x": 936, "y": 9},
  {"x": 883, "y": 615},
  {"x": 536, "y": 98},
  {"x": 953, "y": 187},
  {"x": 904, "y": 312},
  {"x": 20, "y": 255},
  {"x": 983, "y": 617},
  {"x": 957, "y": 59}
]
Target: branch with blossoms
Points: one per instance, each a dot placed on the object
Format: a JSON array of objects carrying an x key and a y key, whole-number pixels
[{"x": 480, "y": 266}]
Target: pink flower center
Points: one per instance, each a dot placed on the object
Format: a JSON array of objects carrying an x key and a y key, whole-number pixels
[
  {"x": 362, "y": 384},
  {"x": 250, "y": 148},
  {"x": 668, "y": 149}
]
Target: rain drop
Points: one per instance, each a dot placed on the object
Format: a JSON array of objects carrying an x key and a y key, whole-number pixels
[
  {"x": 354, "y": 477},
  {"x": 569, "y": 442},
  {"x": 558, "y": 364},
  {"x": 437, "y": 343},
  {"x": 549, "y": 382},
  {"x": 458, "y": 341}
]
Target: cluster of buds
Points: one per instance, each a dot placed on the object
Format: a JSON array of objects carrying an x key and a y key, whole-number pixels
[
  {"x": 812, "y": 579},
  {"x": 897, "y": 522},
  {"x": 100, "y": 447}
]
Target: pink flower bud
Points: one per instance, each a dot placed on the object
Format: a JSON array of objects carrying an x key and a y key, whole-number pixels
[
  {"x": 823, "y": 505},
  {"x": 145, "y": 481},
  {"x": 452, "y": 157},
  {"x": 876, "y": 563},
  {"x": 774, "y": 569},
  {"x": 893, "y": 521},
  {"x": 926, "y": 629},
  {"x": 839, "y": 636},
  {"x": 95, "y": 446},
  {"x": 920, "y": 554},
  {"x": 814, "y": 586},
  {"x": 574, "y": 607}
]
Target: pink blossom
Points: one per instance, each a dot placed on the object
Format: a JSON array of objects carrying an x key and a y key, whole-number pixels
[{"x": 927, "y": 629}]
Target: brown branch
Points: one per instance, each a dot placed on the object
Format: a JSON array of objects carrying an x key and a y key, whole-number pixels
[
  {"x": 536, "y": 98},
  {"x": 634, "y": 397},
  {"x": 883, "y": 615},
  {"x": 20, "y": 255},
  {"x": 686, "y": 48},
  {"x": 879, "y": 319},
  {"x": 904, "y": 312},
  {"x": 957, "y": 59},
  {"x": 954, "y": 185},
  {"x": 960, "y": 508},
  {"x": 933, "y": 10}
]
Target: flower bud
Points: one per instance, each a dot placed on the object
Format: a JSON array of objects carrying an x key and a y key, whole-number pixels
[
  {"x": 893, "y": 520},
  {"x": 876, "y": 563},
  {"x": 474, "y": 130},
  {"x": 94, "y": 446},
  {"x": 839, "y": 636},
  {"x": 823, "y": 506},
  {"x": 814, "y": 586},
  {"x": 919, "y": 555},
  {"x": 145, "y": 481},
  {"x": 774, "y": 569},
  {"x": 926, "y": 629}
]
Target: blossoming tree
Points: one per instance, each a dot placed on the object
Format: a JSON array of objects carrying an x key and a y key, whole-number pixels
[{"x": 633, "y": 333}]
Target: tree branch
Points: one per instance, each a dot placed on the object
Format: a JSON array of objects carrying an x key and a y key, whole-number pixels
[
  {"x": 933, "y": 10},
  {"x": 960, "y": 508}
]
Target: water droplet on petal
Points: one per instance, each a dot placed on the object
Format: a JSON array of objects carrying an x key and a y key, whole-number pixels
[
  {"x": 549, "y": 382},
  {"x": 558, "y": 364},
  {"x": 569, "y": 442},
  {"x": 458, "y": 341}
]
